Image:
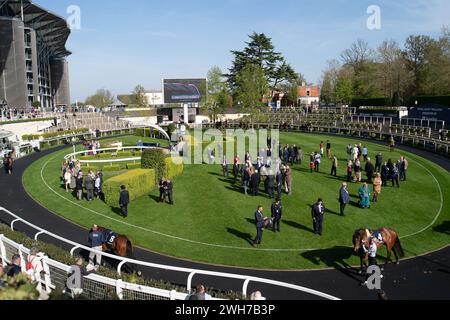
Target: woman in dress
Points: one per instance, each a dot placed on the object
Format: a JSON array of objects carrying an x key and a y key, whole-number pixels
[{"x": 377, "y": 183}]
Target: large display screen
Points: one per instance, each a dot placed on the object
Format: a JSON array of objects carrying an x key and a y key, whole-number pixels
[{"x": 184, "y": 90}]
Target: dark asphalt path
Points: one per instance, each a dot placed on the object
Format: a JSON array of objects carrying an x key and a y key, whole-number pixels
[{"x": 426, "y": 277}]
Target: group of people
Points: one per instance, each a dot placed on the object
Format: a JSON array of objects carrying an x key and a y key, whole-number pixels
[
  {"x": 166, "y": 191},
  {"x": 275, "y": 176},
  {"x": 92, "y": 147},
  {"x": 74, "y": 179}
]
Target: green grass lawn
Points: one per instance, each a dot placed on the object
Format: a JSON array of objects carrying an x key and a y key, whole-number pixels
[{"x": 212, "y": 220}]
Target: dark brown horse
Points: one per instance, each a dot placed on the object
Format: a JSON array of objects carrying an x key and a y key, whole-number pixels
[
  {"x": 390, "y": 239},
  {"x": 120, "y": 246}
]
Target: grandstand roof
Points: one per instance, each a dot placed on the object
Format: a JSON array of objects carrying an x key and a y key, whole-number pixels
[{"x": 50, "y": 28}]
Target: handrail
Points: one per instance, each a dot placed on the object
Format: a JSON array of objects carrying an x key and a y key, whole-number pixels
[{"x": 190, "y": 271}]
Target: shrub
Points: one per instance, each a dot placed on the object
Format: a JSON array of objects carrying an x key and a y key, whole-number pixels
[
  {"x": 113, "y": 168},
  {"x": 174, "y": 167},
  {"x": 154, "y": 159},
  {"x": 139, "y": 182},
  {"x": 104, "y": 156},
  {"x": 132, "y": 166},
  {"x": 124, "y": 154}
]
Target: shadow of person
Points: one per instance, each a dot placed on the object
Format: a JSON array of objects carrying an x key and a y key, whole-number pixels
[
  {"x": 334, "y": 257},
  {"x": 117, "y": 211},
  {"x": 443, "y": 228},
  {"x": 296, "y": 225},
  {"x": 251, "y": 221},
  {"x": 154, "y": 198},
  {"x": 244, "y": 236}
]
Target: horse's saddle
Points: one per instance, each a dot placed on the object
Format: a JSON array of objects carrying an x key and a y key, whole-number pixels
[{"x": 110, "y": 237}]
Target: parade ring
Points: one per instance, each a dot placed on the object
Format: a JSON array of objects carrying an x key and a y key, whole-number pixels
[{"x": 151, "y": 224}]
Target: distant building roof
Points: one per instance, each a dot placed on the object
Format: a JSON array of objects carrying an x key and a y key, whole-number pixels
[{"x": 118, "y": 103}]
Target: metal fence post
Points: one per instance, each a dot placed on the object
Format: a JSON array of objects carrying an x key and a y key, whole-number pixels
[
  {"x": 47, "y": 278},
  {"x": 189, "y": 282},
  {"x": 119, "y": 291}
]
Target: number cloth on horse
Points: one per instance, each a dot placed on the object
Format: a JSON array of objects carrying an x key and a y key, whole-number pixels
[{"x": 109, "y": 237}]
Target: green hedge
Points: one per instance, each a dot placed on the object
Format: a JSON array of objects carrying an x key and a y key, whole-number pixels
[
  {"x": 174, "y": 167},
  {"x": 114, "y": 168},
  {"x": 139, "y": 182},
  {"x": 45, "y": 136},
  {"x": 154, "y": 159},
  {"x": 133, "y": 166},
  {"x": 124, "y": 154}
]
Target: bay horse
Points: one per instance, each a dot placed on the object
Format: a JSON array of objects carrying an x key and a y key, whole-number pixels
[
  {"x": 390, "y": 239},
  {"x": 120, "y": 246}
]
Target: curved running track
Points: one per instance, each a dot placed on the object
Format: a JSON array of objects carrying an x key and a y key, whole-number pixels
[{"x": 424, "y": 277}]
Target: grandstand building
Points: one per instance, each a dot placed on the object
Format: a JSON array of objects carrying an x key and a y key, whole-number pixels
[{"x": 33, "y": 65}]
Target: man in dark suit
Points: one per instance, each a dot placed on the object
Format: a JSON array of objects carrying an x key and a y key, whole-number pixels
[
  {"x": 277, "y": 213},
  {"x": 259, "y": 220},
  {"x": 344, "y": 198},
  {"x": 378, "y": 162},
  {"x": 270, "y": 184},
  {"x": 170, "y": 191},
  {"x": 369, "y": 170},
  {"x": 280, "y": 180},
  {"x": 317, "y": 212},
  {"x": 124, "y": 201},
  {"x": 255, "y": 183}
]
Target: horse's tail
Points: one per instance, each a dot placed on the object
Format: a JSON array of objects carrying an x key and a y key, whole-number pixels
[{"x": 398, "y": 247}]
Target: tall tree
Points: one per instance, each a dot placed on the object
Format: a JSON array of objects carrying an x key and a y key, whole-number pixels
[
  {"x": 345, "y": 86},
  {"x": 218, "y": 98},
  {"x": 101, "y": 99},
  {"x": 261, "y": 52},
  {"x": 251, "y": 85},
  {"x": 415, "y": 54},
  {"x": 139, "y": 93},
  {"x": 329, "y": 81}
]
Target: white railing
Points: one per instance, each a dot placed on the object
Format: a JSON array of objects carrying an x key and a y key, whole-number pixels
[
  {"x": 190, "y": 272},
  {"x": 55, "y": 274}
]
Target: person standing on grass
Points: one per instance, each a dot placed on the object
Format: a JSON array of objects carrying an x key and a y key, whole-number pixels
[
  {"x": 317, "y": 161},
  {"x": 403, "y": 168},
  {"x": 329, "y": 149},
  {"x": 318, "y": 212},
  {"x": 349, "y": 171},
  {"x": 321, "y": 146},
  {"x": 255, "y": 179},
  {"x": 288, "y": 180},
  {"x": 365, "y": 153},
  {"x": 344, "y": 198},
  {"x": 162, "y": 190},
  {"x": 277, "y": 213},
  {"x": 236, "y": 168},
  {"x": 225, "y": 167},
  {"x": 378, "y": 162},
  {"x": 79, "y": 186},
  {"x": 259, "y": 222},
  {"x": 124, "y": 201},
  {"x": 89, "y": 184},
  {"x": 384, "y": 174},
  {"x": 364, "y": 196},
  {"x": 334, "y": 166},
  {"x": 170, "y": 191},
  {"x": 98, "y": 186},
  {"x": 358, "y": 175},
  {"x": 369, "y": 170},
  {"x": 377, "y": 184},
  {"x": 67, "y": 178}
]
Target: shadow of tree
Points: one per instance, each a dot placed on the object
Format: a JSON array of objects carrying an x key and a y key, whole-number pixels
[{"x": 244, "y": 236}]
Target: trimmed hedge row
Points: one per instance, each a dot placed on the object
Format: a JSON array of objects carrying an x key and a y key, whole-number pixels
[
  {"x": 174, "y": 167},
  {"x": 29, "y": 137},
  {"x": 154, "y": 159},
  {"x": 133, "y": 166},
  {"x": 139, "y": 182}
]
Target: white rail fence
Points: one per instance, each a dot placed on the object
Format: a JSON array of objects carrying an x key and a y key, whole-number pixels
[{"x": 57, "y": 274}]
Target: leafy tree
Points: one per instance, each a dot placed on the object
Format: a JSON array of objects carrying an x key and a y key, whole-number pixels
[
  {"x": 251, "y": 86},
  {"x": 101, "y": 99},
  {"x": 345, "y": 87},
  {"x": 261, "y": 52},
  {"x": 415, "y": 54},
  {"x": 218, "y": 98},
  {"x": 139, "y": 94}
]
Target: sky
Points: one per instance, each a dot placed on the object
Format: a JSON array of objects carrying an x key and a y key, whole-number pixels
[{"x": 124, "y": 43}]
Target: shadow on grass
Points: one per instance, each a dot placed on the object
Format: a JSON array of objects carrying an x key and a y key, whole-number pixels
[
  {"x": 117, "y": 211},
  {"x": 244, "y": 236},
  {"x": 334, "y": 258},
  {"x": 443, "y": 228},
  {"x": 297, "y": 225},
  {"x": 154, "y": 198}
]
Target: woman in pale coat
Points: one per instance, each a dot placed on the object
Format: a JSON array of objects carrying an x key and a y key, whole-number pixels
[
  {"x": 377, "y": 183},
  {"x": 67, "y": 179}
]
